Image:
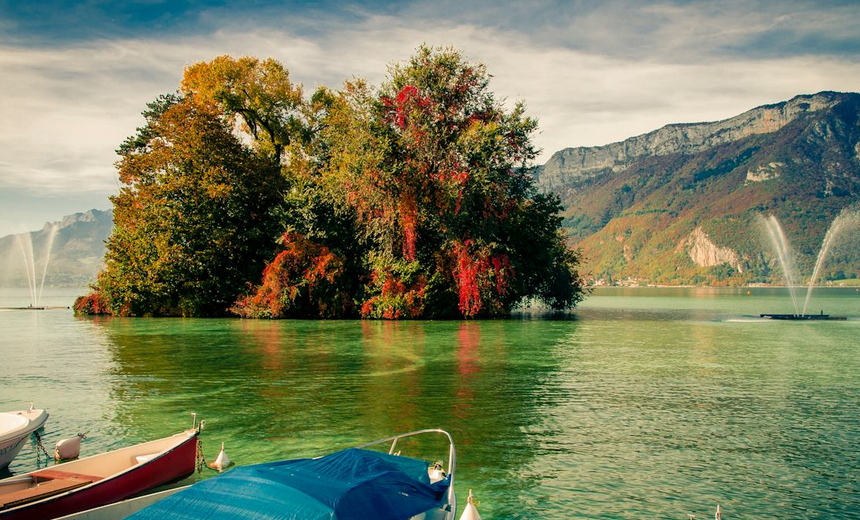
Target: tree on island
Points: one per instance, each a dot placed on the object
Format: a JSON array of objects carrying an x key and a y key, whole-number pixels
[
  {"x": 410, "y": 201},
  {"x": 193, "y": 220},
  {"x": 436, "y": 171}
]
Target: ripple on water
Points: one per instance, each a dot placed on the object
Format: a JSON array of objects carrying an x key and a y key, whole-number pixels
[{"x": 632, "y": 410}]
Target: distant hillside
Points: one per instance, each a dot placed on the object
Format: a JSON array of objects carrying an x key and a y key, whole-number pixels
[
  {"x": 681, "y": 204},
  {"x": 76, "y": 255}
]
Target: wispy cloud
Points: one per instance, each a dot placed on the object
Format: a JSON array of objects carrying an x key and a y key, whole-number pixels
[{"x": 591, "y": 75}]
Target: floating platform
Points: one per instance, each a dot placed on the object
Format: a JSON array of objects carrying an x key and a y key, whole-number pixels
[
  {"x": 30, "y": 308},
  {"x": 796, "y": 317}
]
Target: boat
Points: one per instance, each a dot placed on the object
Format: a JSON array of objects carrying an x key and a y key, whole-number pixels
[
  {"x": 351, "y": 484},
  {"x": 15, "y": 429},
  {"x": 102, "y": 479}
]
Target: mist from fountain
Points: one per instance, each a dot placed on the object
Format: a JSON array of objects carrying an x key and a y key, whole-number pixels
[
  {"x": 26, "y": 244},
  {"x": 847, "y": 218},
  {"x": 783, "y": 252},
  {"x": 52, "y": 233}
]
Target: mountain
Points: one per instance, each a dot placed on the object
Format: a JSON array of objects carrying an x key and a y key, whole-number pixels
[
  {"x": 76, "y": 252},
  {"x": 683, "y": 204}
]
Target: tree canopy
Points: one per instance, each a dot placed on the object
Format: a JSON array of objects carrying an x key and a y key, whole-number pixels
[
  {"x": 260, "y": 93},
  {"x": 410, "y": 200},
  {"x": 193, "y": 219}
]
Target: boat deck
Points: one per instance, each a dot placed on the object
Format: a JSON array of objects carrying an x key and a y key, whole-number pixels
[{"x": 47, "y": 483}]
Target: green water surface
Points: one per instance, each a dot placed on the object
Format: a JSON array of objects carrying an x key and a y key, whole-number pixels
[{"x": 644, "y": 403}]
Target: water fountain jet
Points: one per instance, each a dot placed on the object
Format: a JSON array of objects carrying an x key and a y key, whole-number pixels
[
  {"x": 25, "y": 242},
  {"x": 847, "y": 217},
  {"x": 783, "y": 252}
]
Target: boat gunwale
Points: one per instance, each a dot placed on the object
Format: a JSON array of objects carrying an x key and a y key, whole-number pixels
[
  {"x": 29, "y": 426},
  {"x": 189, "y": 435},
  {"x": 452, "y": 458}
]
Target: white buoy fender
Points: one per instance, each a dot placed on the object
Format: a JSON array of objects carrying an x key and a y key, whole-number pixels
[
  {"x": 436, "y": 473},
  {"x": 68, "y": 448},
  {"x": 222, "y": 461},
  {"x": 470, "y": 512}
]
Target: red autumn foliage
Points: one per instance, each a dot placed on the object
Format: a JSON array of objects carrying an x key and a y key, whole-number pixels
[
  {"x": 92, "y": 304},
  {"x": 407, "y": 100},
  {"x": 409, "y": 216},
  {"x": 481, "y": 279},
  {"x": 302, "y": 280}
]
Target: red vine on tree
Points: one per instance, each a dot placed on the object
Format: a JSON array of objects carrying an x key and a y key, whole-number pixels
[{"x": 302, "y": 277}]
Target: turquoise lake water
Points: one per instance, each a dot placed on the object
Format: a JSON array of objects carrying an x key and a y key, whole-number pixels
[{"x": 644, "y": 403}]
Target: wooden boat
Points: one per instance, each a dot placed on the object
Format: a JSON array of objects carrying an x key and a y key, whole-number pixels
[
  {"x": 15, "y": 428},
  {"x": 98, "y": 480},
  {"x": 351, "y": 484}
]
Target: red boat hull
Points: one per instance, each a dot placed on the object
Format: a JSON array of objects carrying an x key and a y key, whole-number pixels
[{"x": 171, "y": 466}]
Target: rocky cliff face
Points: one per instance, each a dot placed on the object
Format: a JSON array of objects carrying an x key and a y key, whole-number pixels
[
  {"x": 704, "y": 253},
  {"x": 686, "y": 198},
  {"x": 566, "y": 166}
]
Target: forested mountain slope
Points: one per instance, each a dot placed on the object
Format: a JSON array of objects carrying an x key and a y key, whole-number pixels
[{"x": 682, "y": 204}]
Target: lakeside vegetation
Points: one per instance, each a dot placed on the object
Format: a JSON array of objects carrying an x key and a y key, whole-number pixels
[{"x": 242, "y": 195}]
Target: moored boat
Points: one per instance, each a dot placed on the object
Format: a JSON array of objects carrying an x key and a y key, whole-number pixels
[
  {"x": 351, "y": 484},
  {"x": 15, "y": 428},
  {"x": 94, "y": 481}
]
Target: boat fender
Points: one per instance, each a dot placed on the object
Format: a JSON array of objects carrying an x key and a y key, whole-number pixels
[
  {"x": 471, "y": 511},
  {"x": 69, "y": 448},
  {"x": 222, "y": 461},
  {"x": 436, "y": 473}
]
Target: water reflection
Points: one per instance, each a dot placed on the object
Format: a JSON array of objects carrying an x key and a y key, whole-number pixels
[
  {"x": 657, "y": 416},
  {"x": 295, "y": 388}
]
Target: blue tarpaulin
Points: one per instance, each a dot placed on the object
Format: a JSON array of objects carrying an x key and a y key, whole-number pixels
[{"x": 352, "y": 484}]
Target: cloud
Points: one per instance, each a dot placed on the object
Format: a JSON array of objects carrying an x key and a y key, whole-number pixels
[{"x": 67, "y": 107}]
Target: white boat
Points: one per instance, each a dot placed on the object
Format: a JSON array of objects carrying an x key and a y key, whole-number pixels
[
  {"x": 343, "y": 485},
  {"x": 15, "y": 428}
]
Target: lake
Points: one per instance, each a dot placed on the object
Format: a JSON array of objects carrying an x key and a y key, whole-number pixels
[{"x": 644, "y": 403}]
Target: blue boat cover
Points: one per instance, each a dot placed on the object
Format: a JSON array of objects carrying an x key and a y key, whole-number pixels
[{"x": 352, "y": 484}]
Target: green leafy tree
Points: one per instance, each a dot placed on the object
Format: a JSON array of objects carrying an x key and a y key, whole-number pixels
[
  {"x": 414, "y": 200},
  {"x": 436, "y": 172},
  {"x": 271, "y": 108},
  {"x": 193, "y": 221}
]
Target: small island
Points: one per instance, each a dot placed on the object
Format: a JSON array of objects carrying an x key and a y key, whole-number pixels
[{"x": 414, "y": 199}]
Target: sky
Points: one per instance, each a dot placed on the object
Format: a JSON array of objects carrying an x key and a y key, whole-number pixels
[{"x": 74, "y": 76}]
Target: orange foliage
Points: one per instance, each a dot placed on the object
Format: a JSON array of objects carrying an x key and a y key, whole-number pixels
[
  {"x": 302, "y": 280},
  {"x": 92, "y": 304}
]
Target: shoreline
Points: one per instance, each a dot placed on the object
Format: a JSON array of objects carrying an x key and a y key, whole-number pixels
[{"x": 753, "y": 286}]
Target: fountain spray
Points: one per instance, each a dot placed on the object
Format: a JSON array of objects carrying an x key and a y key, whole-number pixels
[
  {"x": 783, "y": 252},
  {"x": 26, "y": 245},
  {"x": 52, "y": 233},
  {"x": 847, "y": 217}
]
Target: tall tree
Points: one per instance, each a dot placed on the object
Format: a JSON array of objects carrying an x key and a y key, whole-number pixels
[
  {"x": 193, "y": 220},
  {"x": 260, "y": 93},
  {"x": 414, "y": 200},
  {"x": 437, "y": 172}
]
